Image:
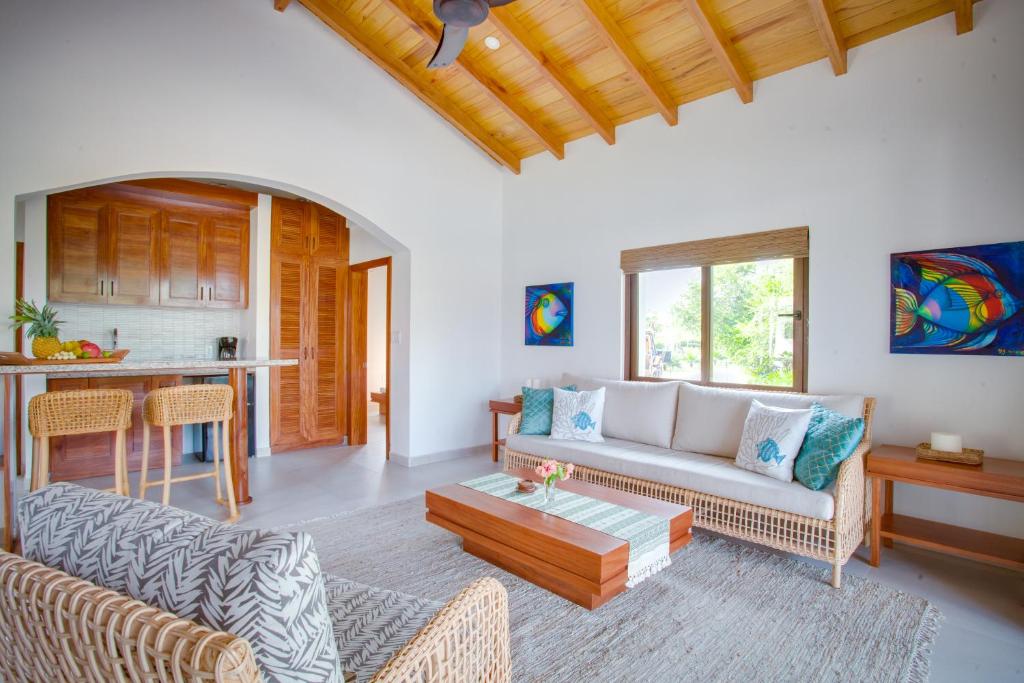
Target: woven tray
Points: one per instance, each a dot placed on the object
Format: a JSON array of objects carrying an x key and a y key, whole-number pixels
[
  {"x": 15, "y": 358},
  {"x": 970, "y": 456}
]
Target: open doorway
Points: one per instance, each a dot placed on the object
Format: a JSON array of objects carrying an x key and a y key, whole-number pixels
[{"x": 370, "y": 351}]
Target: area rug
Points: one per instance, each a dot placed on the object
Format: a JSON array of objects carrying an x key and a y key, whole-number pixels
[{"x": 723, "y": 611}]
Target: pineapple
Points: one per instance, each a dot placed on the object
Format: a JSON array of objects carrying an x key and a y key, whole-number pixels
[{"x": 42, "y": 327}]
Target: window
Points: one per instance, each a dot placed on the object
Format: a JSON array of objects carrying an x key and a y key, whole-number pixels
[{"x": 726, "y": 311}]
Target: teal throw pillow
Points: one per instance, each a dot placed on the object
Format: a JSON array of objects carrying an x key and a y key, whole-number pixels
[
  {"x": 537, "y": 407},
  {"x": 831, "y": 438}
]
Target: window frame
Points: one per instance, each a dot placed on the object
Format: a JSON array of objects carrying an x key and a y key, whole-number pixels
[{"x": 705, "y": 254}]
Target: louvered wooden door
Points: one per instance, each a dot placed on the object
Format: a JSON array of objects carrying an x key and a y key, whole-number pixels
[
  {"x": 309, "y": 283},
  {"x": 133, "y": 269},
  {"x": 226, "y": 256},
  {"x": 77, "y": 249},
  {"x": 290, "y": 227},
  {"x": 326, "y": 391},
  {"x": 288, "y": 292}
]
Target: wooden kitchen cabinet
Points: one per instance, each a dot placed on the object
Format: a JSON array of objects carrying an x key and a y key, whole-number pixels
[
  {"x": 308, "y": 290},
  {"x": 92, "y": 455},
  {"x": 150, "y": 244},
  {"x": 204, "y": 260},
  {"x": 77, "y": 249}
]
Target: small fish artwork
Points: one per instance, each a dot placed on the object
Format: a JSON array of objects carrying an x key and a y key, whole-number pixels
[
  {"x": 548, "y": 314},
  {"x": 583, "y": 422},
  {"x": 962, "y": 301},
  {"x": 768, "y": 452}
]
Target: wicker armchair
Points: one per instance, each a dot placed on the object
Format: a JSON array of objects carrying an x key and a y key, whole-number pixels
[
  {"x": 833, "y": 540},
  {"x": 55, "y": 627}
]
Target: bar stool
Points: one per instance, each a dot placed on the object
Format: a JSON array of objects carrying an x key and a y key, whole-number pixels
[
  {"x": 188, "y": 405},
  {"x": 83, "y": 411}
]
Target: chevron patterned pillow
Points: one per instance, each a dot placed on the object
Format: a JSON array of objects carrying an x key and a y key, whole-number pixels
[
  {"x": 372, "y": 624},
  {"x": 263, "y": 586}
]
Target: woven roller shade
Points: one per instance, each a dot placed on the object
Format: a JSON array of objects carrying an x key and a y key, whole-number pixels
[{"x": 756, "y": 246}]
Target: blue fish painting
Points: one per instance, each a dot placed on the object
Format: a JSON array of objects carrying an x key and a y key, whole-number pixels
[
  {"x": 549, "y": 314},
  {"x": 768, "y": 451},
  {"x": 582, "y": 421},
  {"x": 967, "y": 300}
]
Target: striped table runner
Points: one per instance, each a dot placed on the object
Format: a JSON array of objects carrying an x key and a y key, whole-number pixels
[{"x": 648, "y": 535}]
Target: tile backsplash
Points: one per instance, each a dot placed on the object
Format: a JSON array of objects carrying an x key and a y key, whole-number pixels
[{"x": 151, "y": 333}]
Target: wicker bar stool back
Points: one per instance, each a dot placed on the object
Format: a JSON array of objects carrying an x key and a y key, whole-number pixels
[
  {"x": 188, "y": 405},
  {"x": 83, "y": 411}
]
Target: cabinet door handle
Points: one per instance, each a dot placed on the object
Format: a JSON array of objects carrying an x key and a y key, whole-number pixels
[
  {"x": 210, "y": 297},
  {"x": 102, "y": 282},
  {"x": 112, "y": 287},
  {"x": 202, "y": 293}
]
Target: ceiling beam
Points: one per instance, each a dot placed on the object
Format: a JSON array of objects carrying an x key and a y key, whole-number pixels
[
  {"x": 723, "y": 49},
  {"x": 828, "y": 29},
  {"x": 519, "y": 37},
  {"x": 334, "y": 17},
  {"x": 638, "y": 68},
  {"x": 964, "y": 16},
  {"x": 424, "y": 23},
  {"x": 281, "y": 5}
]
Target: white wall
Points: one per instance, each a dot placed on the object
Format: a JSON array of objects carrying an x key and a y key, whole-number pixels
[
  {"x": 129, "y": 88},
  {"x": 376, "y": 329},
  {"x": 919, "y": 146}
]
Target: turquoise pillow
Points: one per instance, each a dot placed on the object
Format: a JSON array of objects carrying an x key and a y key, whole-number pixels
[
  {"x": 831, "y": 438},
  {"x": 537, "y": 407}
]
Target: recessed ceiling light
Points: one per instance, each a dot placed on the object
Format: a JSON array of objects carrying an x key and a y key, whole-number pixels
[{"x": 492, "y": 42}]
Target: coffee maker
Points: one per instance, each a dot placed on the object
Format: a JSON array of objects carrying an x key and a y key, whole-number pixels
[{"x": 228, "y": 348}]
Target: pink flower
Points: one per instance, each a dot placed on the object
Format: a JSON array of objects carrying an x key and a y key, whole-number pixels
[
  {"x": 539, "y": 469},
  {"x": 569, "y": 467}
]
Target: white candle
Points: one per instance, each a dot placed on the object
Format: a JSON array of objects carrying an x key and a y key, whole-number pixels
[{"x": 951, "y": 443}]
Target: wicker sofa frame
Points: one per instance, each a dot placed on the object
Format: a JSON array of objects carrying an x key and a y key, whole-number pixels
[
  {"x": 833, "y": 541},
  {"x": 56, "y": 627}
]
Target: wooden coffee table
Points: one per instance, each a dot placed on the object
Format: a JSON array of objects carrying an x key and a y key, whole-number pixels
[{"x": 582, "y": 565}]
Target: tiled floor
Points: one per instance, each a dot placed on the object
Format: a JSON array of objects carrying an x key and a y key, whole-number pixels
[{"x": 982, "y": 639}]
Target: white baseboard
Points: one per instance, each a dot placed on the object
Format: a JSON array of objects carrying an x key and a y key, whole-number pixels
[
  {"x": 441, "y": 456},
  {"x": 263, "y": 452}
]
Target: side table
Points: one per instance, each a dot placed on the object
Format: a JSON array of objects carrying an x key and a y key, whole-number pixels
[
  {"x": 500, "y": 406},
  {"x": 994, "y": 478}
]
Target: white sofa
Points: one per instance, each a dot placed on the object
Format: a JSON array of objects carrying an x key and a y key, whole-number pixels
[{"x": 677, "y": 441}]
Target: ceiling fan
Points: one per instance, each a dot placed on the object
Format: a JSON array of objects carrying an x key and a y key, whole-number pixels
[{"x": 458, "y": 16}]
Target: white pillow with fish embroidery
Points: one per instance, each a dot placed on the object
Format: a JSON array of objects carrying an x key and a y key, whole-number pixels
[
  {"x": 771, "y": 440},
  {"x": 577, "y": 415}
]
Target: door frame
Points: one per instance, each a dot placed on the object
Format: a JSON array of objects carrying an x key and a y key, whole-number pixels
[{"x": 383, "y": 262}]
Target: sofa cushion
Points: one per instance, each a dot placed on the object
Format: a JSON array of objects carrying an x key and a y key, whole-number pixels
[
  {"x": 538, "y": 405},
  {"x": 695, "y": 471},
  {"x": 577, "y": 415},
  {"x": 710, "y": 419},
  {"x": 372, "y": 624},
  {"x": 635, "y": 411},
  {"x": 831, "y": 439},
  {"x": 263, "y": 586},
  {"x": 771, "y": 439}
]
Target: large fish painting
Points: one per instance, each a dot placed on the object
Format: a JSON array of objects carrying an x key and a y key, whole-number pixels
[
  {"x": 964, "y": 301},
  {"x": 549, "y": 314}
]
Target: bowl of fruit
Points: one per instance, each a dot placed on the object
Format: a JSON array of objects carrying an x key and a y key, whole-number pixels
[{"x": 42, "y": 328}]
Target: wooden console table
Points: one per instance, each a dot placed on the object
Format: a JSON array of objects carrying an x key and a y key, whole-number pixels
[
  {"x": 995, "y": 478},
  {"x": 500, "y": 406}
]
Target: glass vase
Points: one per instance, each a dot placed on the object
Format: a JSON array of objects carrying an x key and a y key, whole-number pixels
[{"x": 549, "y": 491}]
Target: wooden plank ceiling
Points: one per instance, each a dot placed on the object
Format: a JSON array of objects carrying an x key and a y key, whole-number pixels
[{"x": 571, "y": 68}]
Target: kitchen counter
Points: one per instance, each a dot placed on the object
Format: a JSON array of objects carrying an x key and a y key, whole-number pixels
[
  {"x": 236, "y": 370},
  {"x": 152, "y": 367}
]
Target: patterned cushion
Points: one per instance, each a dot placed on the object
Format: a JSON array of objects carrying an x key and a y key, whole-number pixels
[
  {"x": 771, "y": 440},
  {"x": 577, "y": 415},
  {"x": 263, "y": 586},
  {"x": 537, "y": 407},
  {"x": 831, "y": 438},
  {"x": 372, "y": 624}
]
